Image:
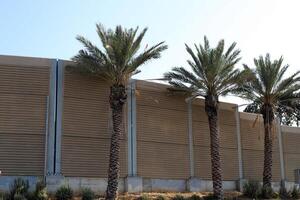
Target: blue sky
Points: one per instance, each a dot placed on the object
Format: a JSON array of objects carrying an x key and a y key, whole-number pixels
[{"x": 41, "y": 28}]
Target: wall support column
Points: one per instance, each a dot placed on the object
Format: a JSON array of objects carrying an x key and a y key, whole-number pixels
[
  {"x": 59, "y": 112},
  {"x": 133, "y": 183},
  {"x": 239, "y": 148},
  {"x": 282, "y": 170},
  {"x": 51, "y": 115},
  {"x": 191, "y": 143}
]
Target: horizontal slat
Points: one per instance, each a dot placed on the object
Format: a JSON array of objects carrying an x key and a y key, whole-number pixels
[
  {"x": 24, "y": 80},
  {"x": 22, "y": 154},
  {"x": 162, "y": 160},
  {"x": 253, "y": 165},
  {"x": 161, "y": 125},
  {"x": 201, "y": 135},
  {"x": 88, "y": 157},
  {"x": 229, "y": 163}
]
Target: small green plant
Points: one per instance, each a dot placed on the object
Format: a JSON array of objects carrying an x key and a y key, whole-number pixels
[
  {"x": 40, "y": 192},
  {"x": 64, "y": 193},
  {"x": 195, "y": 197},
  {"x": 210, "y": 197},
  {"x": 161, "y": 197},
  {"x": 283, "y": 193},
  {"x": 295, "y": 193},
  {"x": 267, "y": 192},
  {"x": 178, "y": 197},
  {"x": 18, "y": 189},
  {"x": 144, "y": 197},
  {"x": 251, "y": 189},
  {"x": 87, "y": 194}
]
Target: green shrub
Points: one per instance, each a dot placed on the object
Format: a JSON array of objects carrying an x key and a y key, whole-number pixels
[
  {"x": 18, "y": 190},
  {"x": 195, "y": 197},
  {"x": 295, "y": 193},
  {"x": 210, "y": 197},
  {"x": 178, "y": 197},
  {"x": 87, "y": 194},
  {"x": 251, "y": 189},
  {"x": 64, "y": 193},
  {"x": 161, "y": 197},
  {"x": 267, "y": 192},
  {"x": 40, "y": 192},
  {"x": 283, "y": 193}
]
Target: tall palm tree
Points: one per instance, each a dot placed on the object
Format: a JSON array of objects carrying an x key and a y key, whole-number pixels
[
  {"x": 117, "y": 60},
  {"x": 269, "y": 90},
  {"x": 212, "y": 75}
]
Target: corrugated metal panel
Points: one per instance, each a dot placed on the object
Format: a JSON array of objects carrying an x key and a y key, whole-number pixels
[
  {"x": 291, "y": 151},
  {"x": 252, "y": 136},
  {"x": 162, "y": 135},
  {"x": 88, "y": 157},
  {"x": 162, "y": 160},
  {"x": 24, "y": 80},
  {"x": 228, "y": 144},
  {"x": 229, "y": 162},
  {"x": 160, "y": 99},
  {"x": 23, "y": 94},
  {"x": 159, "y": 125},
  {"x": 253, "y": 161},
  {"x": 86, "y": 128},
  {"x": 202, "y": 136}
]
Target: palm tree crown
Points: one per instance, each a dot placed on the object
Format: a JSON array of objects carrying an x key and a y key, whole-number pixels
[
  {"x": 119, "y": 58},
  {"x": 212, "y": 73},
  {"x": 268, "y": 86}
]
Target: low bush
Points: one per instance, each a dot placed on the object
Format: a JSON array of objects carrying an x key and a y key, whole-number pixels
[
  {"x": 144, "y": 197},
  {"x": 283, "y": 193},
  {"x": 18, "y": 190},
  {"x": 40, "y": 192},
  {"x": 195, "y": 197},
  {"x": 210, "y": 197},
  {"x": 178, "y": 197},
  {"x": 87, "y": 194},
  {"x": 64, "y": 193},
  {"x": 251, "y": 189},
  {"x": 267, "y": 192},
  {"x": 161, "y": 197},
  {"x": 295, "y": 193}
]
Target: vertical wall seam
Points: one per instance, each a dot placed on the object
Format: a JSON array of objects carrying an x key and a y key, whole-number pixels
[
  {"x": 51, "y": 127},
  {"x": 282, "y": 167},
  {"x": 59, "y": 112},
  {"x": 46, "y": 137},
  {"x": 191, "y": 143},
  {"x": 239, "y": 143},
  {"x": 129, "y": 129},
  {"x": 133, "y": 129}
]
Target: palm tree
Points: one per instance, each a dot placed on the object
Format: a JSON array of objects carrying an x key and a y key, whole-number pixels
[
  {"x": 117, "y": 60},
  {"x": 269, "y": 91},
  {"x": 212, "y": 75}
]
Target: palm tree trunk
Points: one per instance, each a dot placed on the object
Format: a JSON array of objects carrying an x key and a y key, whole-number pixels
[
  {"x": 268, "y": 116},
  {"x": 117, "y": 100},
  {"x": 211, "y": 108}
]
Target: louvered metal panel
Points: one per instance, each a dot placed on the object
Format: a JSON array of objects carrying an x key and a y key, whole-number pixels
[
  {"x": 24, "y": 87},
  {"x": 87, "y": 128}
]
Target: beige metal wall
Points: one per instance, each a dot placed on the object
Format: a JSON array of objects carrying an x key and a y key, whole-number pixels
[
  {"x": 86, "y": 128},
  {"x": 24, "y": 86},
  {"x": 161, "y": 126},
  {"x": 228, "y": 142},
  {"x": 162, "y": 139},
  {"x": 252, "y": 138},
  {"x": 291, "y": 150}
]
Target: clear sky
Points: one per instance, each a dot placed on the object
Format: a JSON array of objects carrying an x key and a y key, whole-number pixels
[{"x": 47, "y": 28}]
